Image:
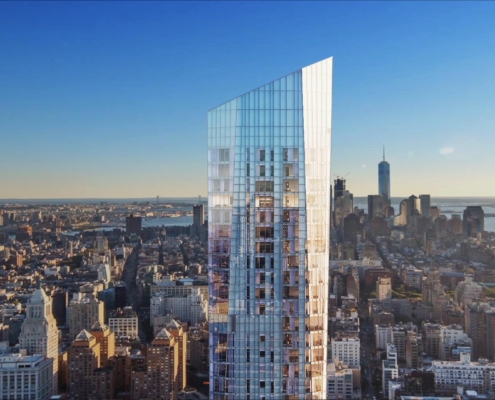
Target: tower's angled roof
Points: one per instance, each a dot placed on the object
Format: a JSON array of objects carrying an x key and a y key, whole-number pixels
[
  {"x": 84, "y": 336},
  {"x": 99, "y": 327},
  {"x": 164, "y": 334},
  {"x": 39, "y": 297},
  {"x": 173, "y": 324}
]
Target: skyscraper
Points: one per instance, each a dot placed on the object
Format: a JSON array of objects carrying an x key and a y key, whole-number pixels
[
  {"x": 269, "y": 195},
  {"x": 384, "y": 179},
  {"x": 39, "y": 332},
  {"x": 473, "y": 219},
  {"x": 343, "y": 202},
  {"x": 425, "y": 203}
]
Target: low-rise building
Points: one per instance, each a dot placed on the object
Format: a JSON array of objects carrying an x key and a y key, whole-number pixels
[
  {"x": 347, "y": 350},
  {"x": 124, "y": 323},
  {"x": 478, "y": 376}
]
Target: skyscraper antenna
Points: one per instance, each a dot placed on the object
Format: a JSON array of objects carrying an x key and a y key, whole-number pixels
[{"x": 384, "y": 152}]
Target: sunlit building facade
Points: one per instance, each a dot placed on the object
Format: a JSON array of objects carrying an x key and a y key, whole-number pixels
[{"x": 268, "y": 215}]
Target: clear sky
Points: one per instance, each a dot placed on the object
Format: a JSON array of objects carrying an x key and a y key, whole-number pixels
[{"x": 109, "y": 99}]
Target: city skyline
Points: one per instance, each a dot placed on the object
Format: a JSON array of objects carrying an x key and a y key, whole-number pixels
[{"x": 108, "y": 100}]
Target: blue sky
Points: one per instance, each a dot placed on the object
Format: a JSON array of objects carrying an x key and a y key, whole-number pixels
[{"x": 109, "y": 99}]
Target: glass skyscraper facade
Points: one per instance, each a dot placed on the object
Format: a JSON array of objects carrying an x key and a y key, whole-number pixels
[
  {"x": 268, "y": 215},
  {"x": 384, "y": 180}
]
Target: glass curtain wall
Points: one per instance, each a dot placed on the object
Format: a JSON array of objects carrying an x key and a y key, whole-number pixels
[{"x": 269, "y": 205}]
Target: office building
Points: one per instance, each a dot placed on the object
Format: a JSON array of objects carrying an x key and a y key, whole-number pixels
[
  {"x": 425, "y": 205},
  {"x": 340, "y": 381},
  {"x": 419, "y": 383},
  {"x": 347, "y": 350},
  {"x": 133, "y": 225},
  {"x": 399, "y": 338},
  {"x": 191, "y": 308},
  {"x": 124, "y": 323},
  {"x": 477, "y": 376},
  {"x": 269, "y": 195},
  {"x": 475, "y": 322},
  {"x": 414, "y": 349},
  {"x": 353, "y": 229},
  {"x": 343, "y": 202},
  {"x": 383, "y": 288},
  {"x": 39, "y": 332},
  {"x": 473, "y": 219},
  {"x": 390, "y": 369},
  {"x": 26, "y": 377},
  {"x": 432, "y": 334},
  {"x": 120, "y": 295},
  {"x": 434, "y": 212},
  {"x": 384, "y": 180},
  {"x": 103, "y": 386},
  {"x": 383, "y": 336},
  {"x": 450, "y": 337},
  {"x": 198, "y": 225},
  {"x": 376, "y": 206},
  {"x": 60, "y": 300},
  {"x": 413, "y": 205},
  {"x": 467, "y": 291},
  {"x": 83, "y": 312}
]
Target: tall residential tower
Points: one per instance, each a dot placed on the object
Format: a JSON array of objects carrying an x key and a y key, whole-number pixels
[
  {"x": 384, "y": 180},
  {"x": 269, "y": 204}
]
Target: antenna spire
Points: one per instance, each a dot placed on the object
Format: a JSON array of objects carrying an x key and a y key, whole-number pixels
[{"x": 384, "y": 152}]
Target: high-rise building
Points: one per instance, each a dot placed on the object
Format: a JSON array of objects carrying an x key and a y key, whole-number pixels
[
  {"x": 105, "y": 337},
  {"x": 473, "y": 219},
  {"x": 84, "y": 311},
  {"x": 412, "y": 205},
  {"x": 133, "y": 225},
  {"x": 39, "y": 332},
  {"x": 26, "y": 377},
  {"x": 432, "y": 334},
  {"x": 60, "y": 300},
  {"x": 384, "y": 288},
  {"x": 347, "y": 350},
  {"x": 376, "y": 206},
  {"x": 198, "y": 215},
  {"x": 180, "y": 335},
  {"x": 475, "y": 322},
  {"x": 84, "y": 358},
  {"x": 352, "y": 229},
  {"x": 269, "y": 195},
  {"x": 159, "y": 379},
  {"x": 384, "y": 180},
  {"x": 383, "y": 336},
  {"x": 343, "y": 202},
  {"x": 425, "y": 204},
  {"x": 413, "y": 350},
  {"x": 198, "y": 227},
  {"x": 390, "y": 369}
]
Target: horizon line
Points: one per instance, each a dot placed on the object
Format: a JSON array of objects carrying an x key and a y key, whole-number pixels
[{"x": 206, "y": 197}]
